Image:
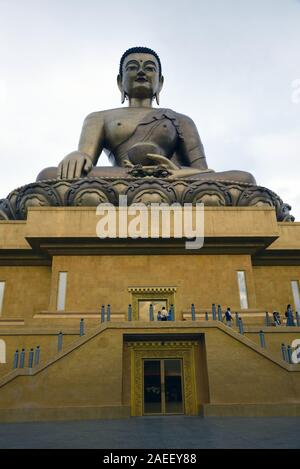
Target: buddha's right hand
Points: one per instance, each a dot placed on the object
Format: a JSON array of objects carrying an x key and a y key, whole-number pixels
[{"x": 74, "y": 165}]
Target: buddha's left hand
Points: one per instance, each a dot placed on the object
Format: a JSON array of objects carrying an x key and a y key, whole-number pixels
[{"x": 175, "y": 171}]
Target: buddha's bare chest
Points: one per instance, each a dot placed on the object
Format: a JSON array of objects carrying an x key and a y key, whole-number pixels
[{"x": 120, "y": 125}]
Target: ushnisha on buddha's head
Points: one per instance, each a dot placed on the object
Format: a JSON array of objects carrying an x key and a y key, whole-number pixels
[{"x": 140, "y": 75}]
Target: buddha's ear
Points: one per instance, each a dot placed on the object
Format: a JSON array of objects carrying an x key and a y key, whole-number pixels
[
  {"x": 123, "y": 94},
  {"x": 119, "y": 81},
  {"x": 161, "y": 83}
]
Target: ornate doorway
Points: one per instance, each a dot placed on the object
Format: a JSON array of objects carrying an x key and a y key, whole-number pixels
[
  {"x": 163, "y": 378},
  {"x": 163, "y": 387},
  {"x": 141, "y": 297}
]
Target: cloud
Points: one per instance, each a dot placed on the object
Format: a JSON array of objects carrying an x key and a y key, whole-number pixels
[{"x": 276, "y": 157}]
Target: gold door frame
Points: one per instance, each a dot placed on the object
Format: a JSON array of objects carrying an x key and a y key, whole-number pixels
[
  {"x": 163, "y": 386},
  {"x": 184, "y": 350},
  {"x": 148, "y": 294}
]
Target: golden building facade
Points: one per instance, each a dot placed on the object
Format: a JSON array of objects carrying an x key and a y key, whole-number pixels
[{"x": 55, "y": 271}]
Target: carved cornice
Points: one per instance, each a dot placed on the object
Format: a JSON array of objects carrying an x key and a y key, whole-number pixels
[
  {"x": 152, "y": 289},
  {"x": 165, "y": 344}
]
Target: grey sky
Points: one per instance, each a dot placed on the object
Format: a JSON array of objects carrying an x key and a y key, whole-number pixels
[{"x": 231, "y": 65}]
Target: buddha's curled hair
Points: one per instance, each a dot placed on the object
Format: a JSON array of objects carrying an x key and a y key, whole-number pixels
[{"x": 142, "y": 50}]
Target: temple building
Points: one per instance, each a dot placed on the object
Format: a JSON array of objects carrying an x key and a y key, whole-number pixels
[{"x": 130, "y": 323}]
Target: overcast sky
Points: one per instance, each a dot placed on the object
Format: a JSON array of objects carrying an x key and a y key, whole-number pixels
[{"x": 233, "y": 66}]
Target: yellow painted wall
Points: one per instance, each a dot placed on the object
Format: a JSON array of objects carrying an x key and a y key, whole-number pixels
[
  {"x": 203, "y": 280},
  {"x": 12, "y": 235},
  {"x": 238, "y": 374},
  {"x": 27, "y": 291},
  {"x": 273, "y": 286}
]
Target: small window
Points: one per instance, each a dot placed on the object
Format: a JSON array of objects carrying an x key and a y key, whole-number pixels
[
  {"x": 62, "y": 289},
  {"x": 296, "y": 295},
  {"x": 2, "y": 287},
  {"x": 241, "y": 277}
]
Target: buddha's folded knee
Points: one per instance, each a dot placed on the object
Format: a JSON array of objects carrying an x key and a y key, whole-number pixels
[
  {"x": 244, "y": 176},
  {"x": 238, "y": 176},
  {"x": 47, "y": 173}
]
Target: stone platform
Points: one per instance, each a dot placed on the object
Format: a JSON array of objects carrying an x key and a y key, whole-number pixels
[{"x": 90, "y": 192}]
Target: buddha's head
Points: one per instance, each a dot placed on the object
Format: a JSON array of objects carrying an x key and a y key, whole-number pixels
[{"x": 140, "y": 74}]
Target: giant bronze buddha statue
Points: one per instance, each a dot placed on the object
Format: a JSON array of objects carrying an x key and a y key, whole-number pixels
[
  {"x": 156, "y": 155},
  {"x": 140, "y": 134}
]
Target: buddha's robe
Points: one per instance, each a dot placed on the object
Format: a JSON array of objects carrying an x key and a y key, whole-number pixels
[{"x": 174, "y": 136}]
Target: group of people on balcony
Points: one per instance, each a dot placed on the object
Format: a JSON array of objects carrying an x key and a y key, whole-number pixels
[
  {"x": 163, "y": 315},
  {"x": 291, "y": 318}
]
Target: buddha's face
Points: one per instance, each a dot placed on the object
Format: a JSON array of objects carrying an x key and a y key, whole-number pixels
[{"x": 140, "y": 76}]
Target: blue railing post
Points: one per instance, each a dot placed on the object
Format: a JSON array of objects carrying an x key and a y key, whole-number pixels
[
  {"x": 129, "y": 315},
  {"x": 262, "y": 339},
  {"x": 241, "y": 326},
  {"x": 172, "y": 313},
  {"x": 16, "y": 359},
  {"x": 284, "y": 353},
  {"x": 289, "y": 354},
  {"x": 30, "y": 358},
  {"x": 213, "y": 311},
  {"x": 81, "y": 327},
  {"x": 193, "y": 312},
  {"x": 102, "y": 313},
  {"x": 206, "y": 316},
  {"x": 219, "y": 313},
  {"x": 298, "y": 319},
  {"x": 108, "y": 313},
  {"x": 151, "y": 313},
  {"x": 37, "y": 355},
  {"x": 60, "y": 341},
  {"x": 22, "y": 358},
  {"x": 267, "y": 319}
]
